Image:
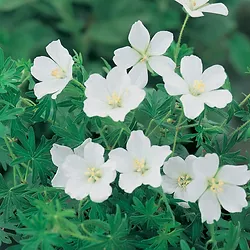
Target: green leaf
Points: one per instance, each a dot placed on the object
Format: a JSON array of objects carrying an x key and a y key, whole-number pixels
[{"x": 184, "y": 245}]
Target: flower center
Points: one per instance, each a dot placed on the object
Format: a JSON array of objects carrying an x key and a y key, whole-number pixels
[
  {"x": 140, "y": 166},
  {"x": 216, "y": 186},
  {"x": 93, "y": 174},
  {"x": 115, "y": 100},
  {"x": 197, "y": 88},
  {"x": 144, "y": 58},
  {"x": 58, "y": 73},
  {"x": 193, "y": 4},
  {"x": 184, "y": 180}
]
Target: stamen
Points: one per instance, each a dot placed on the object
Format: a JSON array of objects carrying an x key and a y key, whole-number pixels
[
  {"x": 58, "y": 73},
  {"x": 114, "y": 100},
  {"x": 140, "y": 166},
  {"x": 93, "y": 174},
  {"x": 184, "y": 180},
  {"x": 216, "y": 186},
  {"x": 197, "y": 88}
]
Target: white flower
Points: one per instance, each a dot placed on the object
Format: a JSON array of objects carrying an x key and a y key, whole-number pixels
[
  {"x": 86, "y": 173},
  {"x": 195, "y": 7},
  {"x": 197, "y": 87},
  {"x": 54, "y": 74},
  {"x": 145, "y": 54},
  {"x": 140, "y": 163},
  {"x": 220, "y": 187},
  {"x": 181, "y": 180},
  {"x": 114, "y": 96}
]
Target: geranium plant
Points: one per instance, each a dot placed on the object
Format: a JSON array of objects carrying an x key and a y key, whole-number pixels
[{"x": 124, "y": 165}]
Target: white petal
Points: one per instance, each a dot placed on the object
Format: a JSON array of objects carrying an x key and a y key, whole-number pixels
[
  {"x": 96, "y": 87},
  {"x": 191, "y": 68},
  {"x": 93, "y": 107},
  {"x": 130, "y": 181},
  {"x": 174, "y": 167},
  {"x": 199, "y": 3},
  {"x": 59, "y": 154},
  {"x": 181, "y": 194},
  {"x": 192, "y": 13},
  {"x": 214, "y": 77},
  {"x": 162, "y": 65},
  {"x": 237, "y": 175},
  {"x": 157, "y": 155},
  {"x": 126, "y": 57},
  {"x": 118, "y": 114},
  {"x": 169, "y": 185},
  {"x": 175, "y": 85},
  {"x": 189, "y": 160},
  {"x": 133, "y": 97},
  {"x": 217, "y": 98},
  {"x": 209, "y": 207},
  {"x": 216, "y": 8},
  {"x": 196, "y": 188},
  {"x": 160, "y": 43},
  {"x": 80, "y": 149},
  {"x": 117, "y": 80},
  {"x": 192, "y": 106},
  {"x": 232, "y": 198},
  {"x": 108, "y": 171},
  {"x": 206, "y": 166},
  {"x": 152, "y": 177},
  {"x": 139, "y": 37},
  {"x": 60, "y": 179},
  {"x": 42, "y": 68},
  {"x": 139, "y": 75},
  {"x": 75, "y": 167},
  {"x": 77, "y": 189},
  {"x": 138, "y": 144},
  {"x": 100, "y": 193},
  {"x": 93, "y": 154},
  {"x": 61, "y": 56},
  {"x": 50, "y": 87},
  {"x": 123, "y": 160}
]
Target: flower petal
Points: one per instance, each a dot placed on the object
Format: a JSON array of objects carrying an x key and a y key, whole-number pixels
[
  {"x": 206, "y": 166},
  {"x": 123, "y": 160},
  {"x": 160, "y": 43},
  {"x": 138, "y": 144},
  {"x": 139, "y": 75},
  {"x": 61, "y": 56},
  {"x": 199, "y": 3},
  {"x": 213, "y": 77},
  {"x": 118, "y": 114},
  {"x": 100, "y": 193},
  {"x": 192, "y": 13},
  {"x": 42, "y": 68},
  {"x": 232, "y": 198},
  {"x": 209, "y": 207},
  {"x": 237, "y": 175},
  {"x": 196, "y": 188},
  {"x": 152, "y": 177},
  {"x": 80, "y": 149},
  {"x": 192, "y": 106},
  {"x": 216, "y": 8},
  {"x": 139, "y": 36},
  {"x": 169, "y": 185},
  {"x": 77, "y": 189},
  {"x": 108, "y": 171},
  {"x": 50, "y": 87},
  {"x": 93, "y": 107},
  {"x": 174, "y": 167},
  {"x": 60, "y": 179},
  {"x": 162, "y": 65},
  {"x": 191, "y": 68},
  {"x": 175, "y": 85},
  {"x": 59, "y": 154},
  {"x": 157, "y": 155},
  {"x": 126, "y": 57},
  {"x": 130, "y": 181}
]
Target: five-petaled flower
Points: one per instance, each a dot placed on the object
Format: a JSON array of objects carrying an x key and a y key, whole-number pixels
[
  {"x": 83, "y": 172},
  {"x": 145, "y": 54},
  {"x": 140, "y": 163},
  {"x": 54, "y": 74},
  {"x": 195, "y": 8},
  {"x": 180, "y": 179},
  {"x": 114, "y": 96},
  {"x": 219, "y": 187},
  {"x": 197, "y": 87}
]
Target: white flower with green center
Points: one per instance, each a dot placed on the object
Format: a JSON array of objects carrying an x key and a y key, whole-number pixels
[
  {"x": 114, "y": 96},
  {"x": 195, "y": 8},
  {"x": 54, "y": 74},
  {"x": 145, "y": 54},
  {"x": 83, "y": 172},
  {"x": 220, "y": 187},
  {"x": 197, "y": 87},
  {"x": 140, "y": 163},
  {"x": 181, "y": 180}
]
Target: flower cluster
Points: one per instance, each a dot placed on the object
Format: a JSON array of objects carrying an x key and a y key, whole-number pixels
[{"x": 83, "y": 171}]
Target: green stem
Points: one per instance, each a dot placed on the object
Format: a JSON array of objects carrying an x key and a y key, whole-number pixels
[
  {"x": 79, "y": 208},
  {"x": 240, "y": 128},
  {"x": 27, "y": 101},
  {"x": 26, "y": 173},
  {"x": 176, "y": 133},
  {"x": 103, "y": 137},
  {"x": 78, "y": 84},
  {"x": 118, "y": 138},
  {"x": 189, "y": 126},
  {"x": 163, "y": 119},
  {"x": 149, "y": 126},
  {"x": 212, "y": 240},
  {"x": 177, "y": 50},
  {"x": 244, "y": 101}
]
